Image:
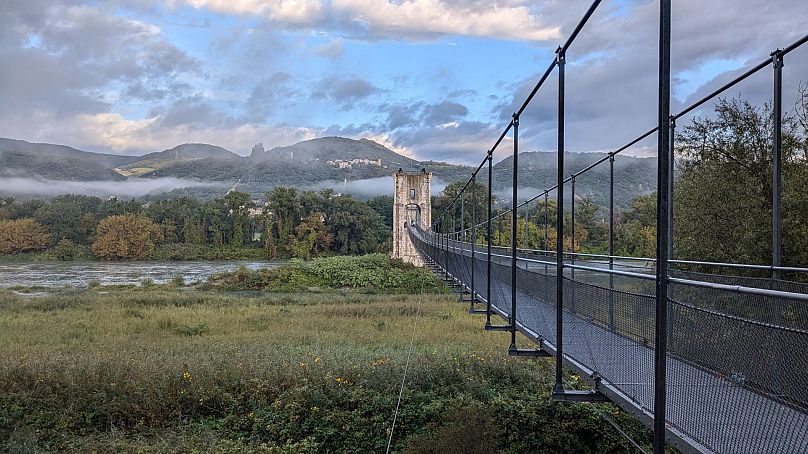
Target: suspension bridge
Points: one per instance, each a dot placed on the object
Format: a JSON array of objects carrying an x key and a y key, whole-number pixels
[{"x": 711, "y": 362}]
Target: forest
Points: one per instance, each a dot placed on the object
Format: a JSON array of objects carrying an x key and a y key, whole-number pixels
[{"x": 284, "y": 224}]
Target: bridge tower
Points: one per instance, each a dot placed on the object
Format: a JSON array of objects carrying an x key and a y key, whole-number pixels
[{"x": 411, "y": 206}]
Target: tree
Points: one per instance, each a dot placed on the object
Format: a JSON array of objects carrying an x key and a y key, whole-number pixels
[
  {"x": 442, "y": 201},
  {"x": 22, "y": 235},
  {"x": 70, "y": 216},
  {"x": 635, "y": 233},
  {"x": 311, "y": 237},
  {"x": 270, "y": 250},
  {"x": 238, "y": 203},
  {"x": 723, "y": 196},
  {"x": 128, "y": 236},
  {"x": 284, "y": 208},
  {"x": 65, "y": 250},
  {"x": 357, "y": 229}
]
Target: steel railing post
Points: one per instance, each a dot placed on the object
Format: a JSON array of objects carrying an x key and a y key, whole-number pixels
[
  {"x": 546, "y": 244},
  {"x": 473, "y": 238},
  {"x": 488, "y": 234},
  {"x": 777, "y": 107},
  {"x": 514, "y": 214},
  {"x": 527, "y": 223},
  {"x": 462, "y": 236},
  {"x": 663, "y": 166},
  {"x": 611, "y": 241},
  {"x": 671, "y": 171},
  {"x": 559, "y": 386},
  {"x": 572, "y": 243}
]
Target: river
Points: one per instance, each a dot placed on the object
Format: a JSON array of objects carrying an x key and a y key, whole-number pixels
[{"x": 80, "y": 274}]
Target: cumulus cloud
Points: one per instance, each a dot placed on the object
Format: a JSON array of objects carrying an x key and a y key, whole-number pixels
[
  {"x": 611, "y": 83},
  {"x": 112, "y": 133},
  {"x": 408, "y": 19}
]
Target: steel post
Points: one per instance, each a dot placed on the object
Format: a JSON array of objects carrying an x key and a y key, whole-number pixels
[
  {"x": 473, "y": 237},
  {"x": 546, "y": 228},
  {"x": 611, "y": 240},
  {"x": 527, "y": 223},
  {"x": 514, "y": 214},
  {"x": 662, "y": 228},
  {"x": 671, "y": 170},
  {"x": 559, "y": 386},
  {"x": 777, "y": 232},
  {"x": 572, "y": 242},
  {"x": 488, "y": 234}
]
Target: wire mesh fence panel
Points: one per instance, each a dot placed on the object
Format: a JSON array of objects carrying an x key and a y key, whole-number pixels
[{"x": 735, "y": 362}]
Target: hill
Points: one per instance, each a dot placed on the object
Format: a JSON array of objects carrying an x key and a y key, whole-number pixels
[
  {"x": 27, "y": 159},
  {"x": 311, "y": 164},
  {"x": 537, "y": 171}
]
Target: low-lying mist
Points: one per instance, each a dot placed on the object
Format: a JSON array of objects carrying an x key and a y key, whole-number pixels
[
  {"x": 132, "y": 188},
  {"x": 370, "y": 187}
]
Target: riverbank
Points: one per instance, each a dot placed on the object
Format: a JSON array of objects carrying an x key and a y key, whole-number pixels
[
  {"x": 162, "y": 252},
  {"x": 154, "y": 369}
]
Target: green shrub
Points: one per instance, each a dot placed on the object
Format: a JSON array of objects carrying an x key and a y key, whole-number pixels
[{"x": 372, "y": 273}]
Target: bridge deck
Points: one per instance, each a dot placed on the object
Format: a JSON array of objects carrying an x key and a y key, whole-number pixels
[{"x": 715, "y": 411}]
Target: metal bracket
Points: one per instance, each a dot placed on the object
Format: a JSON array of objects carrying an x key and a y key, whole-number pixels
[
  {"x": 478, "y": 311},
  {"x": 498, "y": 327},
  {"x": 572, "y": 395},
  {"x": 528, "y": 353}
]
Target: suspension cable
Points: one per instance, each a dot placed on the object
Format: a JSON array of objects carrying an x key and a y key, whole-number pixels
[
  {"x": 406, "y": 367},
  {"x": 617, "y": 427}
]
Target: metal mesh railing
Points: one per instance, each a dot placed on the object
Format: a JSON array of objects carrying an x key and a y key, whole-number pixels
[
  {"x": 710, "y": 361},
  {"x": 725, "y": 372}
]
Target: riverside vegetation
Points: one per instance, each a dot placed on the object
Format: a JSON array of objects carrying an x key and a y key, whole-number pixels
[{"x": 224, "y": 367}]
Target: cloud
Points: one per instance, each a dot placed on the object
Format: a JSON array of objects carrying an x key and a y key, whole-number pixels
[
  {"x": 333, "y": 50},
  {"x": 124, "y": 189},
  {"x": 444, "y": 112},
  {"x": 611, "y": 84},
  {"x": 270, "y": 95},
  {"x": 292, "y": 11},
  {"x": 72, "y": 61},
  {"x": 112, "y": 133},
  {"x": 409, "y": 19},
  {"x": 345, "y": 91}
]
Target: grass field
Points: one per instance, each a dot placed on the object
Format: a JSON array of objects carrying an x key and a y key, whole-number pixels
[{"x": 163, "y": 369}]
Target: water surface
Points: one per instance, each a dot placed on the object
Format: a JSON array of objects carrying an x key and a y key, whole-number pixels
[{"x": 79, "y": 274}]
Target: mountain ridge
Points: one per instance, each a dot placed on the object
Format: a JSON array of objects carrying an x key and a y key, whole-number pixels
[{"x": 313, "y": 163}]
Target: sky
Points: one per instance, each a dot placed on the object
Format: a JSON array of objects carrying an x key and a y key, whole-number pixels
[{"x": 432, "y": 79}]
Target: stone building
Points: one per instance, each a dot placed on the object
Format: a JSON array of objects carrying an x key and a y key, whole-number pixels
[{"x": 411, "y": 206}]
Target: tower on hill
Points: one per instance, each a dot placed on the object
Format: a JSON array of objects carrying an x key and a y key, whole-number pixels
[{"x": 411, "y": 206}]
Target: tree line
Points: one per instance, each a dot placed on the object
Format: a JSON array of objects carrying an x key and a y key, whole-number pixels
[{"x": 286, "y": 223}]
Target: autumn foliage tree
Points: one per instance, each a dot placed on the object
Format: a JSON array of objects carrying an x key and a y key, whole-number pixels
[
  {"x": 22, "y": 235},
  {"x": 128, "y": 236}
]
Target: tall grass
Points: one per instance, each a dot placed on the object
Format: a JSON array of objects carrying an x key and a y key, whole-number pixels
[{"x": 156, "y": 369}]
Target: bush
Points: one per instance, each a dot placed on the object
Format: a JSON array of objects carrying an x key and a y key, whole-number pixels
[
  {"x": 129, "y": 236},
  {"x": 369, "y": 273}
]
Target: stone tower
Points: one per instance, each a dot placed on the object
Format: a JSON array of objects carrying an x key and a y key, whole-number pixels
[{"x": 411, "y": 206}]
